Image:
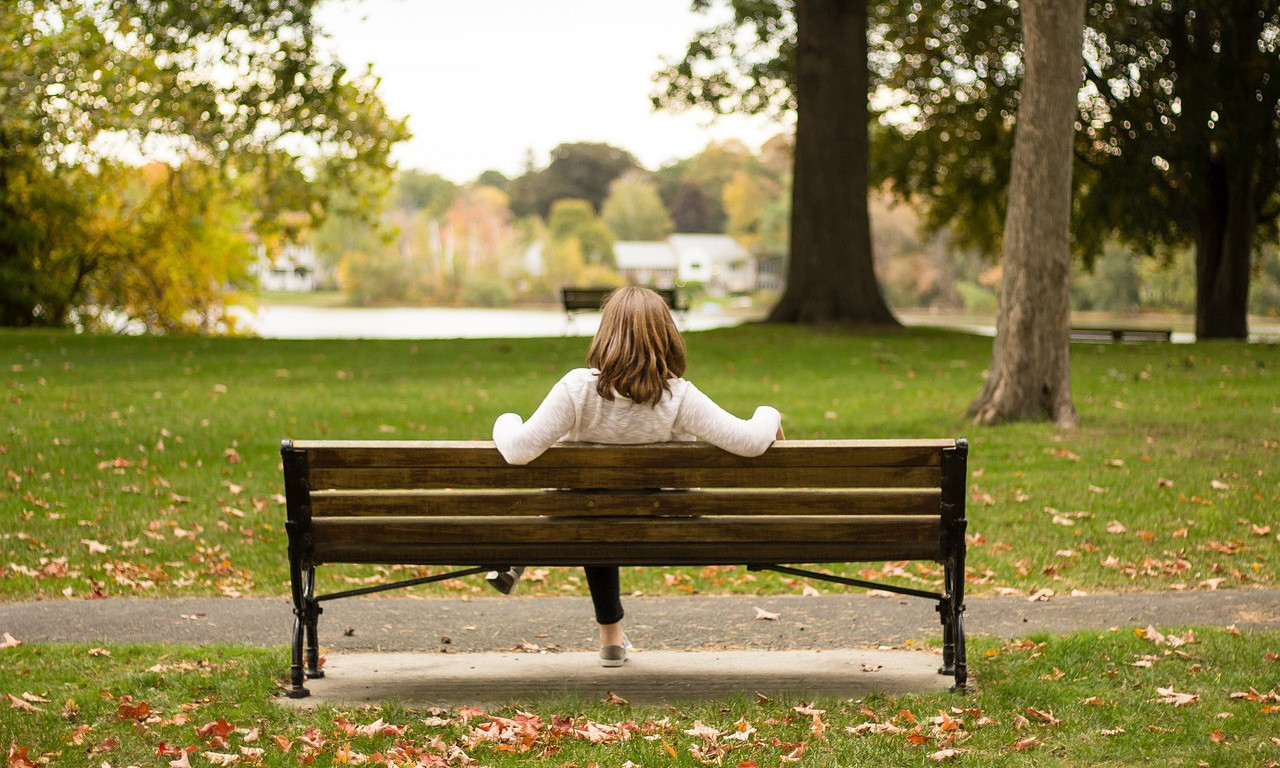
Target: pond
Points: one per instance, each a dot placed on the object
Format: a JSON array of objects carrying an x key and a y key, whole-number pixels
[{"x": 300, "y": 322}]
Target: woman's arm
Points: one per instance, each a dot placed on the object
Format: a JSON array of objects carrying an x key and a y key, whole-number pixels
[
  {"x": 520, "y": 442},
  {"x": 701, "y": 417}
]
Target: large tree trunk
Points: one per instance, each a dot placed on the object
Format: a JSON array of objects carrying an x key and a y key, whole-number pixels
[
  {"x": 1029, "y": 377},
  {"x": 831, "y": 276},
  {"x": 1226, "y": 220}
]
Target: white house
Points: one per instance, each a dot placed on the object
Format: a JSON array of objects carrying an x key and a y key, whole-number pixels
[
  {"x": 294, "y": 268},
  {"x": 716, "y": 261}
]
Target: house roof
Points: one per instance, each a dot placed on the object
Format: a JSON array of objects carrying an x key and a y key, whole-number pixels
[{"x": 631, "y": 254}]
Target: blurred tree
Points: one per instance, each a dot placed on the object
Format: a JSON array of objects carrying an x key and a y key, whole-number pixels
[
  {"x": 426, "y": 192},
  {"x": 240, "y": 90},
  {"x": 1030, "y": 373},
  {"x": 578, "y": 171},
  {"x": 1180, "y": 139},
  {"x": 745, "y": 198},
  {"x": 634, "y": 210},
  {"x": 495, "y": 179},
  {"x": 575, "y": 220},
  {"x": 809, "y": 56},
  {"x": 690, "y": 208}
]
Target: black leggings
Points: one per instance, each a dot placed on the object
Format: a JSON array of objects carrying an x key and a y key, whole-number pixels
[{"x": 605, "y": 592}]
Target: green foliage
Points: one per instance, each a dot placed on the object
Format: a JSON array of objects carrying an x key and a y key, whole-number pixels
[
  {"x": 83, "y": 86},
  {"x": 1179, "y": 138},
  {"x": 581, "y": 171},
  {"x": 634, "y": 209},
  {"x": 740, "y": 66},
  {"x": 427, "y": 192},
  {"x": 1112, "y": 284},
  {"x": 480, "y": 290},
  {"x": 575, "y": 220}
]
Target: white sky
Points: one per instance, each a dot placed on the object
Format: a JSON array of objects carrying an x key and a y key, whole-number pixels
[{"x": 483, "y": 82}]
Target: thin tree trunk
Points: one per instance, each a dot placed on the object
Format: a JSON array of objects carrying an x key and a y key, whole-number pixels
[
  {"x": 1029, "y": 377},
  {"x": 831, "y": 274}
]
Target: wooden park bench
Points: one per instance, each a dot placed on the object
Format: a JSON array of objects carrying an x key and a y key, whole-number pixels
[
  {"x": 1123, "y": 335},
  {"x": 460, "y": 505},
  {"x": 577, "y": 300}
]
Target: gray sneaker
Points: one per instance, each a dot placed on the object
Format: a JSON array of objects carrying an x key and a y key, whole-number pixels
[
  {"x": 615, "y": 655},
  {"x": 505, "y": 579}
]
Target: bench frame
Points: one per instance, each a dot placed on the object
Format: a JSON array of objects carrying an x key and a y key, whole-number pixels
[{"x": 368, "y": 495}]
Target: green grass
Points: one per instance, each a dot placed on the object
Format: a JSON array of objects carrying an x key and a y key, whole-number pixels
[
  {"x": 150, "y": 466},
  {"x": 1085, "y": 699}
]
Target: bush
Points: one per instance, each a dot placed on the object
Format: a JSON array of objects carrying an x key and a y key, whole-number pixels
[{"x": 486, "y": 291}]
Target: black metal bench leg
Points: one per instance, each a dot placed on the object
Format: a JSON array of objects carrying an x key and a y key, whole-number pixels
[
  {"x": 313, "y": 611},
  {"x": 296, "y": 688}
]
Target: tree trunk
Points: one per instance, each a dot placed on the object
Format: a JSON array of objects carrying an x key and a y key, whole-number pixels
[
  {"x": 1029, "y": 377},
  {"x": 1225, "y": 224},
  {"x": 831, "y": 276}
]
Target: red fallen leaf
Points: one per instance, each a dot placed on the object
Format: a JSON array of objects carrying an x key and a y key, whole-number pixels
[
  {"x": 219, "y": 728},
  {"x": 17, "y": 758},
  {"x": 283, "y": 743},
  {"x": 917, "y": 737},
  {"x": 130, "y": 711},
  {"x": 106, "y": 745},
  {"x": 168, "y": 750},
  {"x": 748, "y": 764},
  {"x": 1041, "y": 715},
  {"x": 1025, "y": 743}
]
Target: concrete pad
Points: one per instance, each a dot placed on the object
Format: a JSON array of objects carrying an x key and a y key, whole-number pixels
[{"x": 648, "y": 677}]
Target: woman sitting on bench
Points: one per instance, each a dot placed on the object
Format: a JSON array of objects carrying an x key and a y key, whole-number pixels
[{"x": 632, "y": 393}]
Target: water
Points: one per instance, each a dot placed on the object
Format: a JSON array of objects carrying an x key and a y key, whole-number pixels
[{"x": 297, "y": 322}]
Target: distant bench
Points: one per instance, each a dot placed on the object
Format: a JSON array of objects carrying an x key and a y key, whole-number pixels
[
  {"x": 590, "y": 299},
  {"x": 459, "y": 504},
  {"x": 1123, "y": 335}
]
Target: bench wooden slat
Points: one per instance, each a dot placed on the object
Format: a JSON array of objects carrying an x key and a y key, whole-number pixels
[
  {"x": 790, "y": 453},
  {"x": 454, "y": 503},
  {"x": 626, "y": 478},
  {"x": 719, "y": 538},
  {"x": 665, "y": 554}
]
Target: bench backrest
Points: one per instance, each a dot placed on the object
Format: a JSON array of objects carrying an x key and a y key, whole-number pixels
[
  {"x": 576, "y": 299},
  {"x": 460, "y": 503}
]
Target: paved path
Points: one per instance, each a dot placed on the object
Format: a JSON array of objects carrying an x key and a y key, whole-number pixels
[{"x": 488, "y": 649}]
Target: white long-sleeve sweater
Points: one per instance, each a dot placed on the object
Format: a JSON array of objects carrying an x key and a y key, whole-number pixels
[{"x": 574, "y": 411}]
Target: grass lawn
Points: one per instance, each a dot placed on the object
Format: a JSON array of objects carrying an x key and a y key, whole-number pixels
[
  {"x": 150, "y": 467},
  {"x": 1118, "y": 698}
]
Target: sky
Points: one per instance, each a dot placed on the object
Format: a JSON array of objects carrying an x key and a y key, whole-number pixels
[{"x": 484, "y": 83}]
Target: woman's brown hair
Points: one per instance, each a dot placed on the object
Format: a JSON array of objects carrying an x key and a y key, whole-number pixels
[{"x": 637, "y": 347}]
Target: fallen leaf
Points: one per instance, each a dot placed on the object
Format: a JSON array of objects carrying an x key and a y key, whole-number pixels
[
  {"x": 1170, "y": 696},
  {"x": 95, "y": 547},
  {"x": 763, "y": 615},
  {"x": 615, "y": 699},
  {"x": 8, "y": 641},
  {"x": 945, "y": 754}
]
